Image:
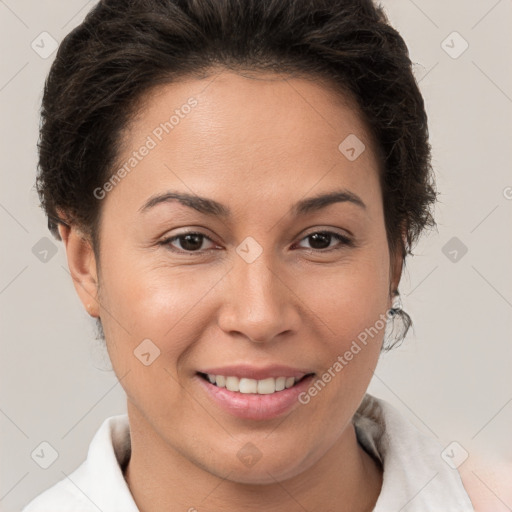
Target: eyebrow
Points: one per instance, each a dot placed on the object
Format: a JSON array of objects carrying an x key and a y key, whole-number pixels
[{"x": 211, "y": 207}]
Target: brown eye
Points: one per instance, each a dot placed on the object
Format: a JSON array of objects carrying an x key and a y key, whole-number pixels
[
  {"x": 321, "y": 241},
  {"x": 188, "y": 242}
]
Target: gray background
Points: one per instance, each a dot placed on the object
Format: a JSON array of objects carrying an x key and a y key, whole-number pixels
[{"x": 452, "y": 375}]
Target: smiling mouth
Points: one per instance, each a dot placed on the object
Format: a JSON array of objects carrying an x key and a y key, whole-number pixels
[{"x": 252, "y": 386}]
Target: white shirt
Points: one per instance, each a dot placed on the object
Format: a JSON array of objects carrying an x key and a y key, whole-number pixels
[{"x": 415, "y": 477}]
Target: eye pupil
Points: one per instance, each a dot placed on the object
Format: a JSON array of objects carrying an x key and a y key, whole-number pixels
[
  {"x": 323, "y": 238},
  {"x": 193, "y": 241}
]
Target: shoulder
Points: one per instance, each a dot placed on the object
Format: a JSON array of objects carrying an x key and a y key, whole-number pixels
[
  {"x": 413, "y": 468},
  {"x": 97, "y": 479},
  {"x": 62, "y": 497}
]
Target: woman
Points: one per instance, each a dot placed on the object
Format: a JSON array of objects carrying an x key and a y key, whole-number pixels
[{"x": 237, "y": 185}]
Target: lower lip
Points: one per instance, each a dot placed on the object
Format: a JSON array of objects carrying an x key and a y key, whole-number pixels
[{"x": 253, "y": 406}]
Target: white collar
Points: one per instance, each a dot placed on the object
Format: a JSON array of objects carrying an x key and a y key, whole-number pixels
[{"x": 415, "y": 478}]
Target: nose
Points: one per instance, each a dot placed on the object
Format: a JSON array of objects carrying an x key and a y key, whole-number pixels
[{"x": 258, "y": 303}]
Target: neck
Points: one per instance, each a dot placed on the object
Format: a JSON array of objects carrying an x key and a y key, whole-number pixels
[{"x": 346, "y": 478}]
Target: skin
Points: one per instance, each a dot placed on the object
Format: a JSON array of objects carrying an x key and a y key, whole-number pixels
[
  {"x": 290, "y": 306},
  {"x": 487, "y": 480}
]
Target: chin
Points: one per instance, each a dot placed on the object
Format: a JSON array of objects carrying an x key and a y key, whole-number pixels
[{"x": 251, "y": 467}]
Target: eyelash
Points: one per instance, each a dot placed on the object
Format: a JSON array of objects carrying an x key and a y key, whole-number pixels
[{"x": 344, "y": 241}]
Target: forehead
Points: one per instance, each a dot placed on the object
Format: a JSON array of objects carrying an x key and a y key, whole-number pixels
[
  {"x": 306, "y": 105},
  {"x": 250, "y": 134}
]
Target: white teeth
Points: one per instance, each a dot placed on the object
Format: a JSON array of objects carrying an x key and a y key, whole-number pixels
[
  {"x": 243, "y": 385},
  {"x": 267, "y": 386},
  {"x": 248, "y": 385},
  {"x": 280, "y": 383},
  {"x": 232, "y": 384}
]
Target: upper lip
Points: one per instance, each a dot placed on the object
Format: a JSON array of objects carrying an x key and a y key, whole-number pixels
[{"x": 257, "y": 373}]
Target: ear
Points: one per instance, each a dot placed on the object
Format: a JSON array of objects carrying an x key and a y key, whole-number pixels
[{"x": 82, "y": 266}]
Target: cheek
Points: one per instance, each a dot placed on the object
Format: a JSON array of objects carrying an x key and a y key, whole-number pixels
[
  {"x": 158, "y": 302},
  {"x": 164, "y": 307},
  {"x": 352, "y": 296},
  {"x": 351, "y": 306}
]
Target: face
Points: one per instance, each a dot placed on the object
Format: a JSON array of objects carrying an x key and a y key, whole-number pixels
[{"x": 254, "y": 276}]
